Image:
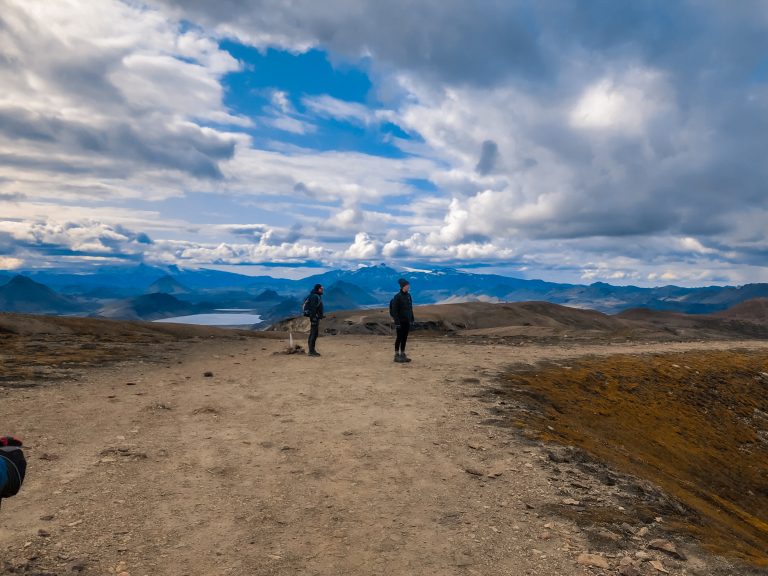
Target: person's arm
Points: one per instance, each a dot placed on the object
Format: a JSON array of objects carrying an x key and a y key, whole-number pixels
[
  {"x": 397, "y": 308},
  {"x": 314, "y": 300}
]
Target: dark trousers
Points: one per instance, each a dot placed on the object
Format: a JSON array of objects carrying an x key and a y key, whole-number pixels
[
  {"x": 402, "y": 330},
  {"x": 314, "y": 330}
]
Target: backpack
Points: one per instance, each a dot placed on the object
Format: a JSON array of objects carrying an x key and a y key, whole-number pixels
[
  {"x": 12, "y": 458},
  {"x": 392, "y": 307},
  {"x": 305, "y": 307}
]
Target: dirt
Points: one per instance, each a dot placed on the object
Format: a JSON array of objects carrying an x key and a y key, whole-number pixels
[{"x": 285, "y": 464}]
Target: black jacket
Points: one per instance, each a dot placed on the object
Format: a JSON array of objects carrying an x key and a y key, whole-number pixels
[
  {"x": 315, "y": 306},
  {"x": 402, "y": 307}
]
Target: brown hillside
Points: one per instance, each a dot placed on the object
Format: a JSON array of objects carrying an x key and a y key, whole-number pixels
[
  {"x": 755, "y": 310},
  {"x": 695, "y": 424},
  {"x": 466, "y": 316},
  {"x": 35, "y": 350}
]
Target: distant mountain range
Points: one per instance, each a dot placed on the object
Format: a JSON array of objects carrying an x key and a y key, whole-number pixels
[{"x": 122, "y": 292}]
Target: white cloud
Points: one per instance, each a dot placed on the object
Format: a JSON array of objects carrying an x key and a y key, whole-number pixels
[
  {"x": 627, "y": 104},
  {"x": 329, "y": 107},
  {"x": 9, "y": 263},
  {"x": 363, "y": 248}
]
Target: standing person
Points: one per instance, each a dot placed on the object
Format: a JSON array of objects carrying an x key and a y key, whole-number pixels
[
  {"x": 313, "y": 308},
  {"x": 401, "y": 310}
]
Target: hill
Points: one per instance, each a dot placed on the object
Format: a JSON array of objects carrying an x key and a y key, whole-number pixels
[
  {"x": 22, "y": 294},
  {"x": 167, "y": 285},
  {"x": 755, "y": 310},
  {"x": 539, "y": 319},
  {"x": 151, "y": 307}
]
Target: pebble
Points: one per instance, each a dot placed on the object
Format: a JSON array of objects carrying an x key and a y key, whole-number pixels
[
  {"x": 208, "y": 374},
  {"x": 665, "y": 546},
  {"x": 593, "y": 560},
  {"x": 76, "y": 566}
]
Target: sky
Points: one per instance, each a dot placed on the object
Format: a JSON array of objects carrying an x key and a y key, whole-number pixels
[{"x": 587, "y": 141}]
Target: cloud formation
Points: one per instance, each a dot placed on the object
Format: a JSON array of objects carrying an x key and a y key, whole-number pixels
[{"x": 586, "y": 141}]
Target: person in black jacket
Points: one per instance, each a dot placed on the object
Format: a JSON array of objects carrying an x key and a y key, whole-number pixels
[
  {"x": 402, "y": 314},
  {"x": 314, "y": 309}
]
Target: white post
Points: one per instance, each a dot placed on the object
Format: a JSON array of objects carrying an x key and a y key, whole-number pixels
[{"x": 290, "y": 340}]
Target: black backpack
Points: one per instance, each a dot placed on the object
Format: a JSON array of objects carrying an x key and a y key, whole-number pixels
[
  {"x": 392, "y": 308},
  {"x": 12, "y": 457},
  {"x": 305, "y": 307}
]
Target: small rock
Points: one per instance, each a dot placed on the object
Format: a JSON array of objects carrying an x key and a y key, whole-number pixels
[
  {"x": 571, "y": 502},
  {"x": 121, "y": 567},
  {"x": 643, "y": 532},
  {"x": 545, "y": 535},
  {"x": 559, "y": 456},
  {"x": 43, "y": 533},
  {"x": 474, "y": 471},
  {"x": 629, "y": 571},
  {"x": 496, "y": 471},
  {"x": 47, "y": 517},
  {"x": 643, "y": 555},
  {"x": 666, "y": 546},
  {"x": 76, "y": 566},
  {"x": 593, "y": 560},
  {"x": 208, "y": 374},
  {"x": 626, "y": 561},
  {"x": 659, "y": 566}
]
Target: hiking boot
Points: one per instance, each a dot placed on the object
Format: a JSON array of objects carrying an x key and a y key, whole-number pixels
[
  {"x": 315, "y": 354},
  {"x": 398, "y": 358},
  {"x": 404, "y": 358}
]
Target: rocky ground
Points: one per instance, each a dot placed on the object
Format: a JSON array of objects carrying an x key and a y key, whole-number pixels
[{"x": 227, "y": 456}]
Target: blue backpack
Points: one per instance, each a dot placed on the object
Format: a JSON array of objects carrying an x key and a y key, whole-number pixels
[{"x": 13, "y": 466}]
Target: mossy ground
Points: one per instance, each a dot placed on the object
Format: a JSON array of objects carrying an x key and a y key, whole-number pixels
[{"x": 694, "y": 423}]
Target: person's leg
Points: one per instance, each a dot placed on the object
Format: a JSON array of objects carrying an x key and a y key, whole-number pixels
[
  {"x": 405, "y": 329},
  {"x": 314, "y": 330},
  {"x": 398, "y": 341}
]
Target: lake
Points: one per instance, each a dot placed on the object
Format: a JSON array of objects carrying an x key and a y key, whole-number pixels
[{"x": 215, "y": 319}]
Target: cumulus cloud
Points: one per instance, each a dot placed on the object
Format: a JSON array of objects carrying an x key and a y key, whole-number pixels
[
  {"x": 589, "y": 139},
  {"x": 363, "y": 248}
]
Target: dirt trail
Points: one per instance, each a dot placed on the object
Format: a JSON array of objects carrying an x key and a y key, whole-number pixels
[{"x": 345, "y": 464}]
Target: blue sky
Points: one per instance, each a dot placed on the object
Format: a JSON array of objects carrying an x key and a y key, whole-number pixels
[{"x": 597, "y": 140}]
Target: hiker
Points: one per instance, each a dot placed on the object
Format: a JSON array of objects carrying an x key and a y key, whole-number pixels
[
  {"x": 13, "y": 466},
  {"x": 401, "y": 310},
  {"x": 313, "y": 308}
]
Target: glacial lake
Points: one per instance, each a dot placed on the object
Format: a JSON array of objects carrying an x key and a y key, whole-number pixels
[{"x": 233, "y": 319}]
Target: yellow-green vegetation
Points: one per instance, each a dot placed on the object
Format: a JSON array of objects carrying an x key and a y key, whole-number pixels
[{"x": 694, "y": 423}]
